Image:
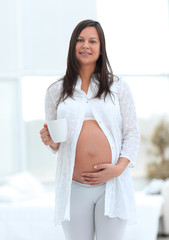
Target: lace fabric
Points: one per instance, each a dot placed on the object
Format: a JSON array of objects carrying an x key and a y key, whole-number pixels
[{"x": 118, "y": 121}]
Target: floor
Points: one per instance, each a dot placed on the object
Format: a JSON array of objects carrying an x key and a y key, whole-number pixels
[
  {"x": 163, "y": 238},
  {"x": 139, "y": 185}
]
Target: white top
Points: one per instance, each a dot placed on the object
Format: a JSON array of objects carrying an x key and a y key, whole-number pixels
[
  {"x": 88, "y": 113},
  {"x": 116, "y": 116}
]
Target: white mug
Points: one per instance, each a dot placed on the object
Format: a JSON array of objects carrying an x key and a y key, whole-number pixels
[{"x": 58, "y": 130}]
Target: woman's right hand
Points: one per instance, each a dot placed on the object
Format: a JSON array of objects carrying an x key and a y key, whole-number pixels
[{"x": 46, "y": 138}]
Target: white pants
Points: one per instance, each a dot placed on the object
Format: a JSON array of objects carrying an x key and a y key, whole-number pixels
[{"x": 87, "y": 215}]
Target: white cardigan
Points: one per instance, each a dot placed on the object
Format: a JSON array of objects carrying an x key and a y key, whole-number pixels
[{"x": 116, "y": 116}]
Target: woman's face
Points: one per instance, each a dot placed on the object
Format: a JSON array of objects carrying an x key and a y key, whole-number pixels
[{"x": 88, "y": 47}]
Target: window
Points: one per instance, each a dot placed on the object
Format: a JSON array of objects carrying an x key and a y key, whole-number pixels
[
  {"x": 137, "y": 35},
  {"x": 9, "y": 126},
  {"x": 40, "y": 161},
  {"x": 151, "y": 94}
]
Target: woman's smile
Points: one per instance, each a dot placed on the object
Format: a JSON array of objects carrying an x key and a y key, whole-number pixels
[{"x": 85, "y": 53}]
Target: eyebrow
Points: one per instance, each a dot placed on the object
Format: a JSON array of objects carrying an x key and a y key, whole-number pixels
[{"x": 89, "y": 38}]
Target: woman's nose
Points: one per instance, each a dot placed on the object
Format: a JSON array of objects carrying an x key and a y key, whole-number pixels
[{"x": 85, "y": 44}]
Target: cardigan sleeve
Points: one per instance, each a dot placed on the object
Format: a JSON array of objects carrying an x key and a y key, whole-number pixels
[
  {"x": 130, "y": 131},
  {"x": 50, "y": 106},
  {"x": 50, "y": 110}
]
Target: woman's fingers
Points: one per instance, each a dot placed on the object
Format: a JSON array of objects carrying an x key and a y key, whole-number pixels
[
  {"x": 45, "y": 136},
  {"x": 106, "y": 172},
  {"x": 91, "y": 174},
  {"x": 45, "y": 129},
  {"x": 91, "y": 178},
  {"x": 87, "y": 178},
  {"x": 92, "y": 182}
]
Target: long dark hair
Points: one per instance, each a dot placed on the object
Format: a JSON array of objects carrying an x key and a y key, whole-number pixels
[{"x": 103, "y": 71}]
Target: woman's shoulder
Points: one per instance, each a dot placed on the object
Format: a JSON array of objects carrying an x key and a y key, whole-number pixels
[
  {"x": 56, "y": 87},
  {"x": 115, "y": 83},
  {"x": 119, "y": 83},
  {"x": 120, "y": 87}
]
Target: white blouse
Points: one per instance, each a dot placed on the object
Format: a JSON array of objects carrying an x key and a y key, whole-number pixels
[{"x": 116, "y": 116}]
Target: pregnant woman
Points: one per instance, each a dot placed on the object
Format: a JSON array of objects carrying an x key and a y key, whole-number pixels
[{"x": 94, "y": 193}]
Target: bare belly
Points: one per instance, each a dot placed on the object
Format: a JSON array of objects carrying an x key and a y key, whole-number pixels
[{"x": 92, "y": 148}]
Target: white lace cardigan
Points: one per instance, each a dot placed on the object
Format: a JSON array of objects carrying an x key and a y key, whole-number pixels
[{"x": 116, "y": 116}]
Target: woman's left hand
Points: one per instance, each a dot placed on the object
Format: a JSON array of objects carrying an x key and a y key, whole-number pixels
[{"x": 105, "y": 172}]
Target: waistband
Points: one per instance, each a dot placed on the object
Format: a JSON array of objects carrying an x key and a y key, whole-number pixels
[{"x": 87, "y": 185}]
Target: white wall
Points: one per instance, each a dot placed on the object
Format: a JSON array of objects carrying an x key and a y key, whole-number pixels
[
  {"x": 137, "y": 35},
  {"x": 8, "y": 39},
  {"x": 46, "y": 28},
  {"x": 35, "y": 34}
]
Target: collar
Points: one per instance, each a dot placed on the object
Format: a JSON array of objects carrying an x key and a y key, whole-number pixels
[{"x": 93, "y": 86}]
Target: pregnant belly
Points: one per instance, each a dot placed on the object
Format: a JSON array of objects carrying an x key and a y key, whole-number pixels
[{"x": 92, "y": 148}]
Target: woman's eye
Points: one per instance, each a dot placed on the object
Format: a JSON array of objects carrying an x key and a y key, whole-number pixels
[
  {"x": 92, "y": 41},
  {"x": 79, "y": 40}
]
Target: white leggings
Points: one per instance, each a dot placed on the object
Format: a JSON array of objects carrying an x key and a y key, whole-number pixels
[{"x": 87, "y": 215}]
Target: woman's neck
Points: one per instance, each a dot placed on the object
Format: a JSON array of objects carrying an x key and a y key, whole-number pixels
[{"x": 86, "y": 73}]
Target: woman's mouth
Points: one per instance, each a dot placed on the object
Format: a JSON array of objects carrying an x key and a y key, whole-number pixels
[{"x": 85, "y": 53}]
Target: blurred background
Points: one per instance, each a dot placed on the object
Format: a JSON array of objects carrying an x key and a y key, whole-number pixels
[{"x": 34, "y": 42}]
